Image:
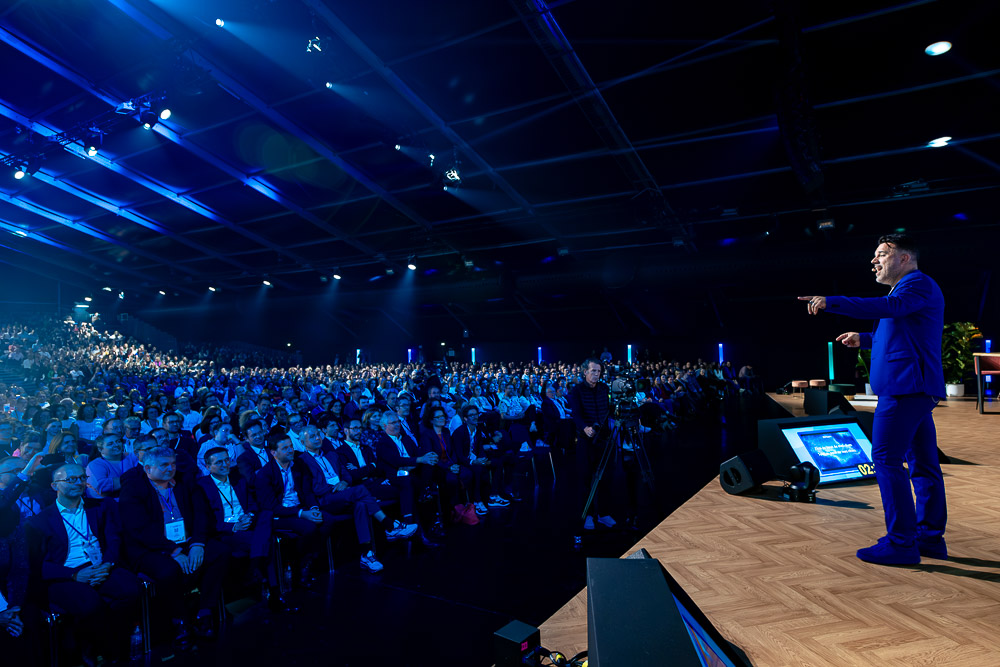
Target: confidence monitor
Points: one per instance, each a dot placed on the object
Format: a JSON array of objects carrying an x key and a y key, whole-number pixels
[
  {"x": 638, "y": 615},
  {"x": 837, "y": 446}
]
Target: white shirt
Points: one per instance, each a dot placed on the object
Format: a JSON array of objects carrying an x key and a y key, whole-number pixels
[
  {"x": 356, "y": 448},
  {"x": 78, "y": 532},
  {"x": 399, "y": 445},
  {"x": 290, "y": 497},
  {"x": 230, "y": 501},
  {"x": 332, "y": 478},
  {"x": 191, "y": 419}
]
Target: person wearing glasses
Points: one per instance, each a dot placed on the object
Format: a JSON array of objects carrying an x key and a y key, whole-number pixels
[
  {"x": 408, "y": 468},
  {"x": 254, "y": 454},
  {"x": 448, "y": 472},
  {"x": 165, "y": 528},
  {"x": 75, "y": 542},
  {"x": 238, "y": 522}
]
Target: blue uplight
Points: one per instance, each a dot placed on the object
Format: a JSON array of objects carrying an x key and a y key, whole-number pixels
[{"x": 960, "y": 216}]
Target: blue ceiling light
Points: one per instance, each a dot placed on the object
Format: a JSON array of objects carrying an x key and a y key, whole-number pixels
[
  {"x": 20, "y": 172},
  {"x": 938, "y": 48},
  {"x": 220, "y": 22},
  {"x": 336, "y": 276},
  {"x": 165, "y": 114},
  {"x": 411, "y": 266},
  {"x": 92, "y": 151},
  {"x": 939, "y": 142}
]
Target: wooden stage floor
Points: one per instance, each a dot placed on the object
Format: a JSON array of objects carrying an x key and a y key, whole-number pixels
[{"x": 781, "y": 581}]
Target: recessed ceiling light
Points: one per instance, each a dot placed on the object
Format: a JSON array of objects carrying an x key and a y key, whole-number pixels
[
  {"x": 938, "y": 48},
  {"x": 939, "y": 142}
]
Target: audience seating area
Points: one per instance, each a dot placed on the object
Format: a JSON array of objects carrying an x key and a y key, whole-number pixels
[{"x": 139, "y": 489}]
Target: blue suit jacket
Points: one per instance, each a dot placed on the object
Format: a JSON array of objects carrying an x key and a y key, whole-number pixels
[{"x": 906, "y": 340}]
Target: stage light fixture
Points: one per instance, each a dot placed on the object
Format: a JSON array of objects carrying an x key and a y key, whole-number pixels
[
  {"x": 398, "y": 147},
  {"x": 162, "y": 293},
  {"x": 468, "y": 262},
  {"x": 431, "y": 156},
  {"x": 220, "y": 22},
  {"x": 121, "y": 295},
  {"x": 453, "y": 176},
  {"x": 390, "y": 271},
  {"x": 938, "y": 48},
  {"x": 91, "y": 151},
  {"x": 20, "y": 172},
  {"x": 315, "y": 44},
  {"x": 106, "y": 289},
  {"x": 88, "y": 299},
  {"x": 82, "y": 305},
  {"x": 336, "y": 276},
  {"x": 940, "y": 142},
  {"x": 445, "y": 188},
  {"x": 148, "y": 119},
  {"x": 267, "y": 283},
  {"x": 165, "y": 114},
  {"x": 211, "y": 289},
  {"x": 20, "y": 232},
  {"x": 411, "y": 266},
  {"x": 125, "y": 108}
]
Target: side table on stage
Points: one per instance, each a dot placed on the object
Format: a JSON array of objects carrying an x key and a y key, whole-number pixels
[{"x": 987, "y": 363}]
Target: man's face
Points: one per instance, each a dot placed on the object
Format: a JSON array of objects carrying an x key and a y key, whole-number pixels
[
  {"x": 161, "y": 469},
  {"x": 173, "y": 424},
  {"x": 67, "y": 447},
  {"x": 310, "y": 437},
  {"x": 255, "y": 436},
  {"x": 433, "y": 393},
  {"x": 284, "y": 453},
  {"x": 592, "y": 373},
  {"x": 219, "y": 464},
  {"x": 391, "y": 400},
  {"x": 263, "y": 406},
  {"x": 295, "y": 422},
  {"x": 472, "y": 418},
  {"x": 390, "y": 424},
  {"x": 69, "y": 481},
  {"x": 364, "y": 402},
  {"x": 184, "y": 405},
  {"x": 888, "y": 264},
  {"x": 130, "y": 430},
  {"x": 333, "y": 431},
  {"x": 29, "y": 449},
  {"x": 403, "y": 407}
]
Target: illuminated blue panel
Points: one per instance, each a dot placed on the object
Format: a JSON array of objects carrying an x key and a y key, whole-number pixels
[
  {"x": 357, "y": 356},
  {"x": 539, "y": 354},
  {"x": 473, "y": 355},
  {"x": 629, "y": 357},
  {"x": 721, "y": 356}
]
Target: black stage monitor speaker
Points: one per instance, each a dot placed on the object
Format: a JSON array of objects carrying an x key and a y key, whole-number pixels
[
  {"x": 639, "y": 616},
  {"x": 514, "y": 645},
  {"x": 824, "y": 402},
  {"x": 745, "y": 473}
]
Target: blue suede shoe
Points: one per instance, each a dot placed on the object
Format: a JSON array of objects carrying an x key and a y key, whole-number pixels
[{"x": 887, "y": 553}]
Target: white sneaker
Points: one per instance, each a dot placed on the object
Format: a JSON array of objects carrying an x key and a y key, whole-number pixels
[
  {"x": 588, "y": 524},
  {"x": 540, "y": 443},
  {"x": 607, "y": 521},
  {"x": 370, "y": 563},
  {"x": 525, "y": 447},
  {"x": 481, "y": 509},
  {"x": 400, "y": 531},
  {"x": 497, "y": 501}
]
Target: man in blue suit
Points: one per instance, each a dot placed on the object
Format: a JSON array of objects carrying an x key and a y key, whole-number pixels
[{"x": 907, "y": 376}]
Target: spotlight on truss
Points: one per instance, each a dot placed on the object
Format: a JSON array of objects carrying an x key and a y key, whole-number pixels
[
  {"x": 125, "y": 108},
  {"x": 315, "y": 44},
  {"x": 336, "y": 276},
  {"x": 220, "y": 22},
  {"x": 148, "y": 119},
  {"x": 453, "y": 177},
  {"x": 91, "y": 151},
  {"x": 20, "y": 172}
]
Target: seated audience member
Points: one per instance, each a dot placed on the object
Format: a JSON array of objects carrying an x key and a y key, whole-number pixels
[
  {"x": 150, "y": 418},
  {"x": 204, "y": 430},
  {"x": 284, "y": 488},
  {"x": 407, "y": 467},
  {"x": 333, "y": 433},
  {"x": 165, "y": 528},
  {"x": 468, "y": 442},
  {"x": 15, "y": 478},
  {"x": 176, "y": 438},
  {"x": 8, "y": 443},
  {"x": 360, "y": 462},
  {"x": 104, "y": 472},
  {"x": 407, "y": 420},
  {"x": 30, "y": 445},
  {"x": 334, "y": 493},
  {"x": 138, "y": 473},
  {"x": 131, "y": 430},
  {"x": 222, "y": 437},
  {"x": 76, "y": 545},
  {"x": 190, "y": 418},
  {"x": 253, "y": 452},
  {"x": 448, "y": 472},
  {"x": 87, "y": 424},
  {"x": 238, "y": 522}
]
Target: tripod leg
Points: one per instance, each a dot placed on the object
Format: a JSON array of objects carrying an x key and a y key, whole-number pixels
[{"x": 598, "y": 474}]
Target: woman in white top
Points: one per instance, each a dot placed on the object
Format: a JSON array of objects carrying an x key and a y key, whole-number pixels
[{"x": 88, "y": 426}]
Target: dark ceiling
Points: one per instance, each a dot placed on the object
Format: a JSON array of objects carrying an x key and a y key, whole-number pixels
[{"x": 587, "y": 134}]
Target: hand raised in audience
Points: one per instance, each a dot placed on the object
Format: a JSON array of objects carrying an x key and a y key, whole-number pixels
[{"x": 34, "y": 465}]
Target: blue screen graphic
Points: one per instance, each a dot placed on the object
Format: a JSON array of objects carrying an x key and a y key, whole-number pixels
[{"x": 836, "y": 449}]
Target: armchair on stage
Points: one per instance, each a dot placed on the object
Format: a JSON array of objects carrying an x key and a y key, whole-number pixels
[{"x": 987, "y": 364}]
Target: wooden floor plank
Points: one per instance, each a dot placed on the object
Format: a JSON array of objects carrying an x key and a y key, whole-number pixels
[{"x": 781, "y": 579}]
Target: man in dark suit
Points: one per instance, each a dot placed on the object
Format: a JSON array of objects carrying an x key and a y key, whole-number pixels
[
  {"x": 76, "y": 544},
  {"x": 907, "y": 376},
  {"x": 359, "y": 460},
  {"x": 284, "y": 487},
  {"x": 178, "y": 439},
  {"x": 165, "y": 528},
  {"x": 254, "y": 454},
  {"x": 335, "y": 494},
  {"x": 238, "y": 523},
  {"x": 407, "y": 467},
  {"x": 478, "y": 452}
]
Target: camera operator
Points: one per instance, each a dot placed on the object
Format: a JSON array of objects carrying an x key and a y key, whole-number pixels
[{"x": 590, "y": 404}]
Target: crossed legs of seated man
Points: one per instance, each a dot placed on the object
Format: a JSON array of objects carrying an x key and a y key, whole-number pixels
[{"x": 359, "y": 502}]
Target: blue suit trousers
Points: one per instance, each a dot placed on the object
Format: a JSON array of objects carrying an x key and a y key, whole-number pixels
[{"x": 904, "y": 430}]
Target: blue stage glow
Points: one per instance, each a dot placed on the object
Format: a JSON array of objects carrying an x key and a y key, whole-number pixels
[
  {"x": 729, "y": 241},
  {"x": 539, "y": 354},
  {"x": 409, "y": 355},
  {"x": 473, "y": 355},
  {"x": 629, "y": 354},
  {"x": 357, "y": 356},
  {"x": 940, "y": 142},
  {"x": 721, "y": 358},
  {"x": 960, "y": 216},
  {"x": 374, "y": 278},
  {"x": 430, "y": 272},
  {"x": 548, "y": 259}
]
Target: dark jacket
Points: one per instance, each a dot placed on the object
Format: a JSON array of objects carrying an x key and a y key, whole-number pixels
[
  {"x": 368, "y": 471},
  {"x": 142, "y": 518},
  {"x": 320, "y": 486},
  {"x": 389, "y": 458},
  {"x": 271, "y": 489},
  {"x": 214, "y": 499},
  {"x": 48, "y": 540}
]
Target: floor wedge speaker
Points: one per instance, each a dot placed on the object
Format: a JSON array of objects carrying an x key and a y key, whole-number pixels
[{"x": 745, "y": 473}]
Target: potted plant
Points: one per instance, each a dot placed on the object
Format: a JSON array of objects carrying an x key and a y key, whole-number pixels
[
  {"x": 861, "y": 369},
  {"x": 956, "y": 354}
]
